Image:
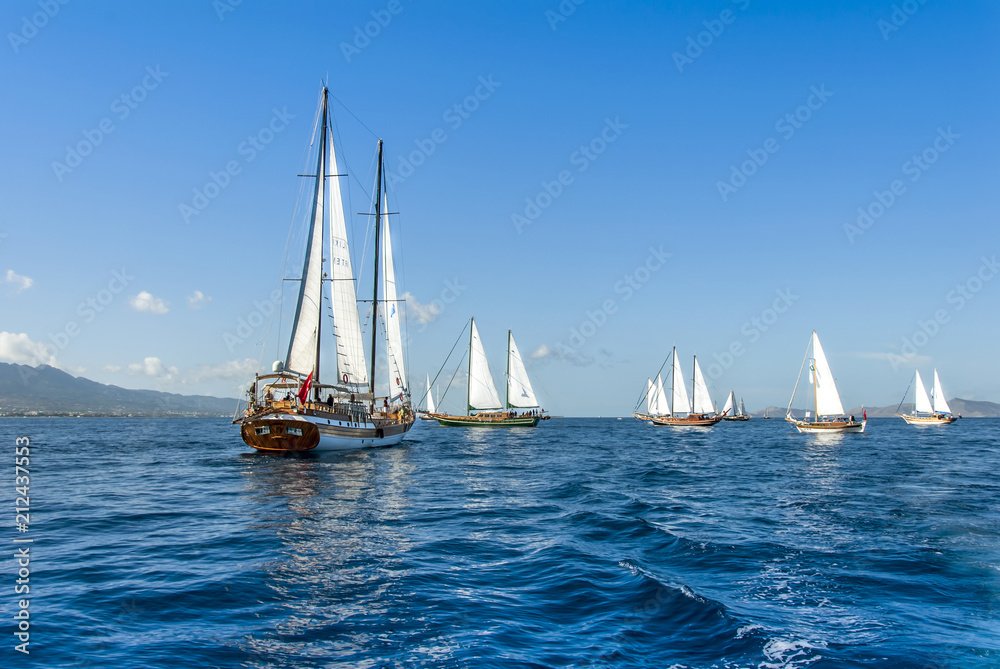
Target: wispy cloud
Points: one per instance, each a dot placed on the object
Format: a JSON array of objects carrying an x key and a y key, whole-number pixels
[
  {"x": 890, "y": 357},
  {"x": 546, "y": 353},
  {"x": 19, "y": 349},
  {"x": 154, "y": 368},
  {"x": 112, "y": 368},
  {"x": 238, "y": 370},
  {"x": 198, "y": 299},
  {"x": 146, "y": 302},
  {"x": 422, "y": 313},
  {"x": 22, "y": 283}
]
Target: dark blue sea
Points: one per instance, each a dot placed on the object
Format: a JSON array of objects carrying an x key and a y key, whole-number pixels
[{"x": 581, "y": 543}]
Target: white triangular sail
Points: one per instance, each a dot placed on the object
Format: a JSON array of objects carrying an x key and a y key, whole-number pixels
[
  {"x": 393, "y": 312},
  {"x": 650, "y": 397},
  {"x": 679, "y": 402},
  {"x": 662, "y": 406},
  {"x": 482, "y": 393},
  {"x": 304, "y": 341},
  {"x": 352, "y": 368},
  {"x": 702, "y": 400},
  {"x": 827, "y": 397},
  {"x": 727, "y": 408},
  {"x": 940, "y": 401},
  {"x": 519, "y": 392},
  {"x": 430, "y": 397},
  {"x": 742, "y": 410},
  {"x": 922, "y": 403}
]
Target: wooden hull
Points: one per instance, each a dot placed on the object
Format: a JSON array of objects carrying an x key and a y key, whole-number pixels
[
  {"x": 644, "y": 417},
  {"x": 740, "y": 418},
  {"x": 293, "y": 432},
  {"x": 699, "y": 420},
  {"x": 922, "y": 421},
  {"x": 425, "y": 416},
  {"x": 828, "y": 427},
  {"x": 486, "y": 421}
]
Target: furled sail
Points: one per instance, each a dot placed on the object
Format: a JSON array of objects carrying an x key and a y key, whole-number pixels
[
  {"x": 827, "y": 397},
  {"x": 393, "y": 315},
  {"x": 922, "y": 403},
  {"x": 352, "y": 369},
  {"x": 482, "y": 393},
  {"x": 940, "y": 402},
  {"x": 519, "y": 392},
  {"x": 702, "y": 400},
  {"x": 679, "y": 402}
]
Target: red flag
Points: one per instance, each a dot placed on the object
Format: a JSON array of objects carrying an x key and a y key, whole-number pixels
[
  {"x": 304, "y": 390},
  {"x": 865, "y": 414}
]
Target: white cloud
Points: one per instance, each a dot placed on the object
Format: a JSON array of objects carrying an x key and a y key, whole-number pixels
[
  {"x": 23, "y": 283},
  {"x": 146, "y": 302},
  {"x": 19, "y": 349},
  {"x": 197, "y": 299},
  {"x": 544, "y": 353},
  {"x": 112, "y": 368},
  {"x": 423, "y": 313},
  {"x": 153, "y": 367},
  {"x": 892, "y": 358},
  {"x": 239, "y": 370}
]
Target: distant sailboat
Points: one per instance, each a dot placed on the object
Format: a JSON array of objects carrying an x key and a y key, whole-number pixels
[
  {"x": 933, "y": 410},
  {"x": 829, "y": 412},
  {"x": 700, "y": 412},
  {"x": 482, "y": 396},
  {"x": 734, "y": 411},
  {"x": 656, "y": 401},
  {"x": 425, "y": 415}
]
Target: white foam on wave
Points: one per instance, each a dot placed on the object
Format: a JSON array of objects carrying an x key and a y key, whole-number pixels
[{"x": 790, "y": 653}]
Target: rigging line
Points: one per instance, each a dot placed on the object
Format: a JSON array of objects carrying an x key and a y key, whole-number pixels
[
  {"x": 646, "y": 394},
  {"x": 904, "y": 397},
  {"x": 457, "y": 369},
  {"x": 337, "y": 100},
  {"x": 788, "y": 411},
  {"x": 446, "y": 361}
]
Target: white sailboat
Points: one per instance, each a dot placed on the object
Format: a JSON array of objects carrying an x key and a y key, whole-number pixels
[
  {"x": 483, "y": 408},
  {"x": 656, "y": 401},
  {"x": 425, "y": 414},
  {"x": 700, "y": 411},
  {"x": 829, "y": 413},
  {"x": 933, "y": 410},
  {"x": 291, "y": 409},
  {"x": 734, "y": 411}
]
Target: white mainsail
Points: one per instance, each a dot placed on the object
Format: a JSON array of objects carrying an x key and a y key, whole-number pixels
[
  {"x": 827, "y": 397},
  {"x": 352, "y": 369},
  {"x": 730, "y": 402},
  {"x": 922, "y": 403},
  {"x": 940, "y": 402},
  {"x": 482, "y": 393},
  {"x": 304, "y": 342},
  {"x": 702, "y": 400},
  {"x": 662, "y": 406},
  {"x": 742, "y": 410},
  {"x": 679, "y": 402},
  {"x": 519, "y": 392},
  {"x": 393, "y": 314},
  {"x": 650, "y": 397},
  {"x": 430, "y": 397}
]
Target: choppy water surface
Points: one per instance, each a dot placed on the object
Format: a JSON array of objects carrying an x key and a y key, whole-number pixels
[{"x": 582, "y": 543}]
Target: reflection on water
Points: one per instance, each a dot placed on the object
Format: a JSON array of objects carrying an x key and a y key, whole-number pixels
[{"x": 332, "y": 518}]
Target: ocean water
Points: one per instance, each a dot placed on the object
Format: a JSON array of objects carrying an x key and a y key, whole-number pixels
[{"x": 581, "y": 543}]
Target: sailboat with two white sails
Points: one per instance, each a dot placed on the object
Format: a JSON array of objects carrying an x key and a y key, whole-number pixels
[
  {"x": 699, "y": 411},
  {"x": 933, "y": 410},
  {"x": 733, "y": 411},
  {"x": 829, "y": 412}
]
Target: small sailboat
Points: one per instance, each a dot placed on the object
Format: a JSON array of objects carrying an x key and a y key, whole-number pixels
[
  {"x": 656, "y": 401},
  {"x": 482, "y": 397},
  {"x": 933, "y": 410},
  {"x": 733, "y": 411},
  {"x": 426, "y": 414},
  {"x": 291, "y": 409},
  {"x": 700, "y": 412},
  {"x": 829, "y": 412}
]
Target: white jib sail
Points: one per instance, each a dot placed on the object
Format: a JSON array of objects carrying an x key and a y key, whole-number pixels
[
  {"x": 650, "y": 397},
  {"x": 482, "y": 393},
  {"x": 352, "y": 368},
  {"x": 393, "y": 315},
  {"x": 519, "y": 392},
  {"x": 743, "y": 409},
  {"x": 679, "y": 402},
  {"x": 662, "y": 406},
  {"x": 827, "y": 397},
  {"x": 702, "y": 400},
  {"x": 728, "y": 406},
  {"x": 940, "y": 402},
  {"x": 430, "y": 397},
  {"x": 304, "y": 341},
  {"x": 922, "y": 403}
]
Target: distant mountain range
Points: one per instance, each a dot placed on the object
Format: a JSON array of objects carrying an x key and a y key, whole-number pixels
[
  {"x": 965, "y": 408},
  {"x": 47, "y": 391}
]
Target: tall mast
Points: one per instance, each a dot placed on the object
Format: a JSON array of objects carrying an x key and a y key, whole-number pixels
[
  {"x": 673, "y": 380},
  {"x": 815, "y": 381},
  {"x": 321, "y": 189},
  {"x": 694, "y": 384},
  {"x": 378, "y": 227},
  {"x": 468, "y": 386},
  {"x": 507, "y": 394}
]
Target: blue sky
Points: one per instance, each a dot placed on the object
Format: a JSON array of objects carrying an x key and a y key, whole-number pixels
[{"x": 741, "y": 138}]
